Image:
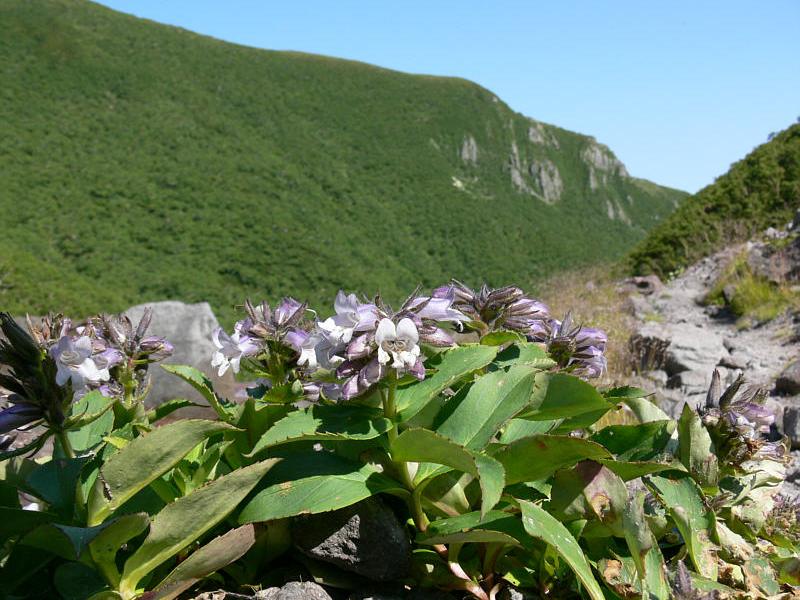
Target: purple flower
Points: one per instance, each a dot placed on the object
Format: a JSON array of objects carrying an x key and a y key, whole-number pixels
[
  {"x": 578, "y": 349},
  {"x": 351, "y": 317},
  {"x": 74, "y": 363},
  {"x": 156, "y": 348},
  {"x": 231, "y": 349}
]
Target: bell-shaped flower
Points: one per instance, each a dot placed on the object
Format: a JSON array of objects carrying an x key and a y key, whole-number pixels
[
  {"x": 305, "y": 344},
  {"x": 397, "y": 344},
  {"x": 74, "y": 363},
  {"x": 231, "y": 349},
  {"x": 436, "y": 308},
  {"x": 351, "y": 317}
]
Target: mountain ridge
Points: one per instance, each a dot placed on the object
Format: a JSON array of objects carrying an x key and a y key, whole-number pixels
[{"x": 147, "y": 162}]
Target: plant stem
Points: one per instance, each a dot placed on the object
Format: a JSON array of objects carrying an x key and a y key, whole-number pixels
[{"x": 66, "y": 446}]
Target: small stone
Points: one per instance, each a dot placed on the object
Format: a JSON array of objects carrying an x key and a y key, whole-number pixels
[
  {"x": 294, "y": 590},
  {"x": 788, "y": 382},
  {"x": 365, "y": 538}
]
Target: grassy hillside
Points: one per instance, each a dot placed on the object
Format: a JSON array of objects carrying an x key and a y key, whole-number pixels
[
  {"x": 759, "y": 191},
  {"x": 140, "y": 162}
]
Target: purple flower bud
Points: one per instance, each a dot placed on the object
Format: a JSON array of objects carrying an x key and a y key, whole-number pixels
[
  {"x": 19, "y": 415},
  {"x": 590, "y": 336},
  {"x": 110, "y": 357},
  {"x": 435, "y": 336},
  {"x": 360, "y": 346},
  {"x": 288, "y": 312},
  {"x": 371, "y": 374},
  {"x": 418, "y": 370},
  {"x": 435, "y": 309},
  {"x": 156, "y": 348},
  {"x": 348, "y": 368}
]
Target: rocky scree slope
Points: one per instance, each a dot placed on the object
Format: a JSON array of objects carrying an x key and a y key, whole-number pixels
[
  {"x": 692, "y": 325},
  {"x": 145, "y": 162}
]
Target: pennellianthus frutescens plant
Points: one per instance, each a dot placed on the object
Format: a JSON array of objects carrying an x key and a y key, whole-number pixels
[{"x": 471, "y": 412}]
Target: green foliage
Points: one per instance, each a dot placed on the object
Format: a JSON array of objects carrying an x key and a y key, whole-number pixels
[
  {"x": 143, "y": 162},
  {"x": 750, "y": 297},
  {"x": 757, "y": 192}
]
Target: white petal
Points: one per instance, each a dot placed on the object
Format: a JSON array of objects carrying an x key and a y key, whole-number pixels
[
  {"x": 386, "y": 331},
  {"x": 383, "y": 356},
  {"x": 83, "y": 345},
  {"x": 406, "y": 330}
]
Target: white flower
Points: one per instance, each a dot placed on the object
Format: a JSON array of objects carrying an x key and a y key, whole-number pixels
[
  {"x": 231, "y": 350},
  {"x": 74, "y": 362},
  {"x": 350, "y": 316},
  {"x": 397, "y": 344}
]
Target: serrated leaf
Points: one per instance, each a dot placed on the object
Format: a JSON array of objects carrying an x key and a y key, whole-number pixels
[
  {"x": 491, "y": 401},
  {"x": 202, "y": 384},
  {"x": 325, "y": 423},
  {"x": 684, "y": 502},
  {"x": 187, "y": 519},
  {"x": 423, "y": 445},
  {"x": 696, "y": 450},
  {"x": 634, "y": 470},
  {"x": 516, "y": 429},
  {"x": 539, "y": 456},
  {"x": 144, "y": 459},
  {"x": 94, "y": 420},
  {"x": 542, "y": 525},
  {"x": 455, "y": 364},
  {"x": 641, "y": 442},
  {"x": 314, "y": 482},
  {"x": 218, "y": 553},
  {"x": 563, "y": 396}
]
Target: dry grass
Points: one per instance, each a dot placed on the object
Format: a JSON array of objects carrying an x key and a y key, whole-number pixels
[{"x": 592, "y": 297}]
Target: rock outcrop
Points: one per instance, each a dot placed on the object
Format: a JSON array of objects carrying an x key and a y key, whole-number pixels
[{"x": 188, "y": 327}]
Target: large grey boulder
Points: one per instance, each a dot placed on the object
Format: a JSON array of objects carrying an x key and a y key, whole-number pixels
[
  {"x": 365, "y": 538},
  {"x": 294, "y": 590},
  {"x": 188, "y": 327}
]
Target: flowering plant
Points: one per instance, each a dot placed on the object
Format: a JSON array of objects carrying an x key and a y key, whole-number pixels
[{"x": 470, "y": 413}]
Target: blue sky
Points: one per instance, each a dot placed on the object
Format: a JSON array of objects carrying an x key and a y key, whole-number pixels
[{"x": 678, "y": 90}]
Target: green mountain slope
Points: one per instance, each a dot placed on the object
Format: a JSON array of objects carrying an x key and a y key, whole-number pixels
[
  {"x": 759, "y": 191},
  {"x": 140, "y": 162}
]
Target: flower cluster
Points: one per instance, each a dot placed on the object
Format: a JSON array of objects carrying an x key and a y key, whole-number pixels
[
  {"x": 60, "y": 361},
  {"x": 737, "y": 421},
  {"x": 365, "y": 342}
]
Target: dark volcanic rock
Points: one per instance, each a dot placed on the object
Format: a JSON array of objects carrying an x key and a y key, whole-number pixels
[
  {"x": 365, "y": 538},
  {"x": 294, "y": 590}
]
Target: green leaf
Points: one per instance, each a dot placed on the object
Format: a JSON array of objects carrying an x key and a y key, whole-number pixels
[
  {"x": 561, "y": 396},
  {"x": 491, "y": 401},
  {"x": 454, "y": 365},
  {"x": 15, "y": 521},
  {"x": 94, "y": 421},
  {"x": 696, "y": 451},
  {"x": 500, "y": 338},
  {"x": 645, "y": 410},
  {"x": 761, "y": 577},
  {"x": 589, "y": 491},
  {"x": 55, "y": 482},
  {"x": 516, "y": 429},
  {"x": 63, "y": 540},
  {"x": 167, "y": 408},
  {"x": 325, "y": 423},
  {"x": 634, "y": 470},
  {"x": 314, "y": 482},
  {"x": 645, "y": 551},
  {"x": 684, "y": 501},
  {"x": 76, "y": 581},
  {"x": 143, "y": 460},
  {"x": 218, "y": 553},
  {"x": 542, "y": 525},
  {"x": 470, "y": 527},
  {"x": 539, "y": 456},
  {"x": 181, "y": 523},
  {"x": 202, "y": 384},
  {"x": 625, "y": 393},
  {"x": 636, "y": 442},
  {"x": 110, "y": 540},
  {"x": 423, "y": 445},
  {"x": 525, "y": 353}
]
